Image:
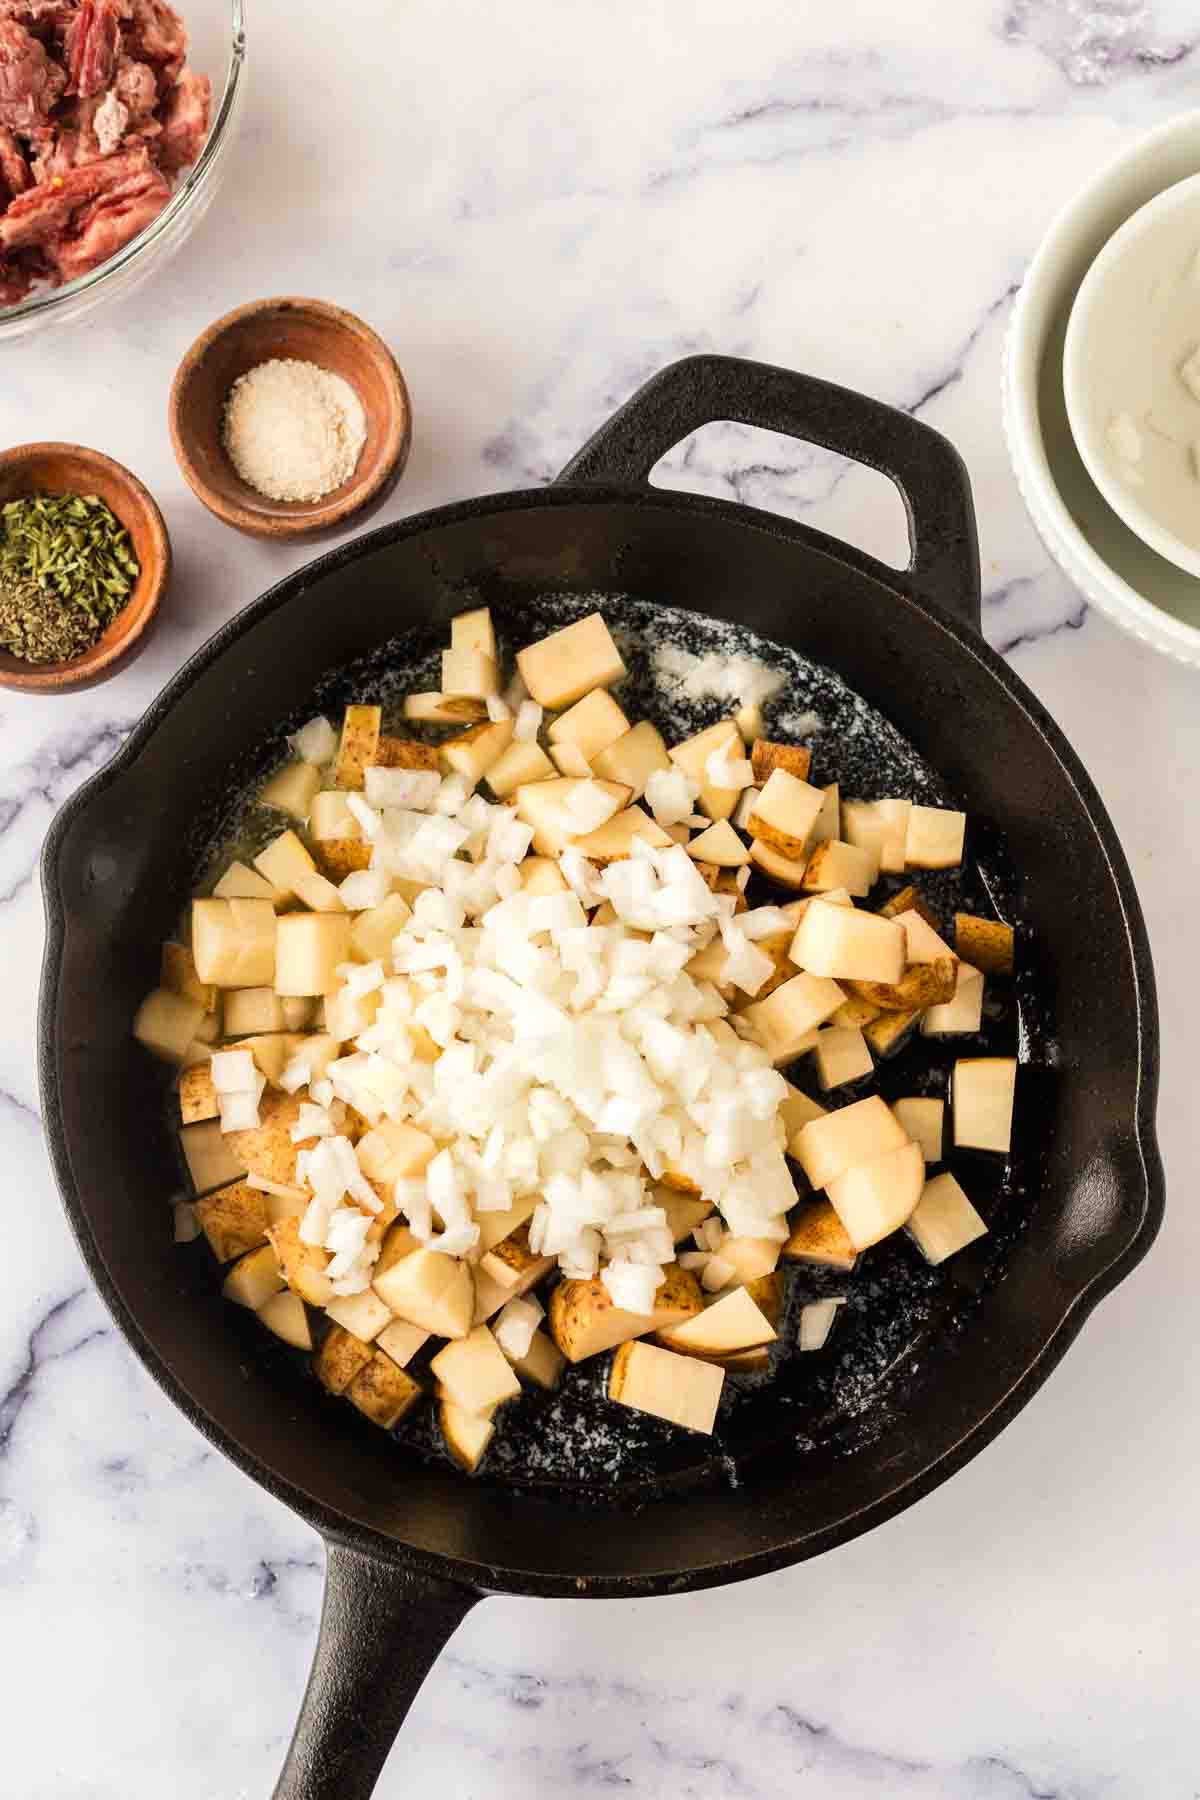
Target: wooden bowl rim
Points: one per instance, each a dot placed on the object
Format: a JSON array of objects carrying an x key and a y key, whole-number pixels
[
  {"x": 103, "y": 655},
  {"x": 281, "y": 519}
]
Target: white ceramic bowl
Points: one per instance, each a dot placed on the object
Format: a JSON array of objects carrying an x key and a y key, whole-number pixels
[
  {"x": 1135, "y": 318},
  {"x": 1110, "y": 564}
]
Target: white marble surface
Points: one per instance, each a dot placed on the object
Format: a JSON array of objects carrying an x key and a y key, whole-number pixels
[{"x": 538, "y": 205}]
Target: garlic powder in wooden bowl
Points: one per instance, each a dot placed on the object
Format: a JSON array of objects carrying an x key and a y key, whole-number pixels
[{"x": 292, "y": 430}]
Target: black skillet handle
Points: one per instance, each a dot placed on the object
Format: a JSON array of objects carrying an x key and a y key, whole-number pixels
[
  {"x": 928, "y": 471},
  {"x": 383, "y": 1626}
]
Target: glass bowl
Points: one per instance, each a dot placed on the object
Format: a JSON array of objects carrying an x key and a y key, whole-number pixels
[{"x": 217, "y": 48}]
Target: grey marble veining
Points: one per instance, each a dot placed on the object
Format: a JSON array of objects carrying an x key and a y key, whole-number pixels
[{"x": 539, "y": 206}]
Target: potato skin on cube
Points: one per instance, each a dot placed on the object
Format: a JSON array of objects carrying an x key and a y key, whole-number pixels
[
  {"x": 986, "y": 944},
  {"x": 785, "y": 813},
  {"x": 303, "y": 1265},
  {"x": 584, "y": 1321},
  {"x": 197, "y": 1095},
  {"x": 404, "y": 753},
  {"x": 766, "y": 757},
  {"x": 234, "y": 1219},
  {"x": 340, "y": 1358},
  {"x": 359, "y": 744},
  {"x": 382, "y": 1391},
  {"x": 921, "y": 985},
  {"x": 819, "y": 1238},
  {"x": 339, "y": 857}
]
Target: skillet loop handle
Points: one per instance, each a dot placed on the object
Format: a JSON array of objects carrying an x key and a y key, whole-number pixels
[
  {"x": 383, "y": 1626},
  {"x": 933, "y": 483}
]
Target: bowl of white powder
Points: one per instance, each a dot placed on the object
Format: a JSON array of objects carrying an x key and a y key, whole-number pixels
[{"x": 290, "y": 417}]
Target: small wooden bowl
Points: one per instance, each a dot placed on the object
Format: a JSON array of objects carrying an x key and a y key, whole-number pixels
[
  {"x": 308, "y": 331},
  {"x": 70, "y": 469}
]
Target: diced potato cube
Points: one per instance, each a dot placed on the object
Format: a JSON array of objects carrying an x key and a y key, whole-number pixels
[
  {"x": 292, "y": 789},
  {"x": 267, "y": 1148},
  {"x": 309, "y": 948},
  {"x": 522, "y": 764},
  {"x": 944, "y": 1221},
  {"x": 841, "y": 1055},
  {"x": 923, "y": 1119},
  {"x": 543, "y": 1362},
  {"x": 783, "y": 869},
  {"x": 786, "y": 1021},
  {"x": 692, "y": 757},
  {"x": 234, "y": 1219},
  {"x": 211, "y": 1163},
  {"x": 888, "y": 1034},
  {"x": 363, "y": 1315},
  {"x": 985, "y": 943},
  {"x": 318, "y": 893},
  {"x": 752, "y": 1258},
  {"x": 766, "y": 757},
  {"x": 406, "y": 753},
  {"x": 935, "y": 838},
  {"x": 542, "y": 875},
  {"x": 240, "y": 883},
  {"x": 925, "y": 945},
  {"x": 361, "y": 726},
  {"x": 233, "y": 942},
  {"x": 253, "y": 1279},
  {"x": 467, "y": 1435},
  {"x": 339, "y": 1360},
  {"x": 395, "y": 1151},
  {"x": 510, "y": 1259},
  {"x": 197, "y": 1095},
  {"x": 444, "y": 709},
  {"x": 494, "y": 1227},
  {"x": 166, "y": 1024},
  {"x": 591, "y": 725},
  {"x": 680, "y": 1389},
  {"x": 684, "y": 1212},
  {"x": 284, "y": 1315},
  {"x": 855, "y": 1011},
  {"x": 961, "y": 1016},
  {"x": 382, "y": 1392},
  {"x": 796, "y": 1111},
  {"x": 569, "y": 759},
  {"x": 431, "y": 1290},
  {"x": 719, "y": 845},
  {"x": 864, "y": 828},
  {"x": 564, "y": 666},
  {"x": 612, "y": 841},
  {"x": 249, "y": 1011},
  {"x": 825, "y": 1148},
  {"x": 982, "y": 1095},
  {"x": 475, "y": 1373},
  {"x": 785, "y": 813},
  {"x": 829, "y": 819},
  {"x": 474, "y": 631},
  {"x": 469, "y": 673},
  {"x": 874, "y": 1199},
  {"x": 584, "y": 1322},
  {"x": 846, "y": 944},
  {"x": 372, "y": 932},
  {"x": 837, "y": 865},
  {"x": 819, "y": 1239},
  {"x": 732, "y": 1322},
  {"x": 401, "y": 1341},
  {"x": 178, "y": 975},
  {"x": 284, "y": 861},
  {"x": 303, "y": 1265},
  {"x": 921, "y": 985},
  {"x": 633, "y": 758},
  {"x": 473, "y": 752},
  {"x": 331, "y": 817}
]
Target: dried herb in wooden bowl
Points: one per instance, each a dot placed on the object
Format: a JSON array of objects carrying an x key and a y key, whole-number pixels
[{"x": 67, "y": 568}]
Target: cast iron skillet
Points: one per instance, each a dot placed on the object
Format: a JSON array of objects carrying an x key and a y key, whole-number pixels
[{"x": 412, "y": 1547}]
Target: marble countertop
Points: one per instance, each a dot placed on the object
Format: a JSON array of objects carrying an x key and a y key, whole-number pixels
[{"x": 538, "y": 205}]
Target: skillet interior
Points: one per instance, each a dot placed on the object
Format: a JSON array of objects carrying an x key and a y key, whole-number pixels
[{"x": 124, "y": 858}]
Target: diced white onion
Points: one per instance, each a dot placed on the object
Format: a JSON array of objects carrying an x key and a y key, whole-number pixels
[{"x": 315, "y": 742}]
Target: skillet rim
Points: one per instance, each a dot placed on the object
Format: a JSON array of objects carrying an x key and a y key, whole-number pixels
[{"x": 1079, "y": 1297}]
